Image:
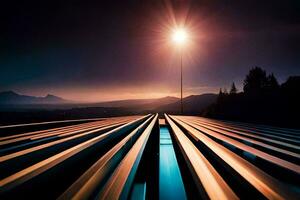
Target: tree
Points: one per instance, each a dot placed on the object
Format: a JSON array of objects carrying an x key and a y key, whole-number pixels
[
  {"x": 233, "y": 89},
  {"x": 292, "y": 85},
  {"x": 255, "y": 81},
  {"x": 272, "y": 83},
  {"x": 225, "y": 92},
  {"x": 220, "y": 92},
  {"x": 220, "y": 96}
]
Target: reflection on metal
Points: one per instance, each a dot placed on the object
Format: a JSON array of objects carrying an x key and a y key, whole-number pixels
[
  {"x": 268, "y": 186},
  {"x": 109, "y": 158},
  {"x": 170, "y": 181},
  {"x": 203, "y": 172},
  {"x": 138, "y": 191},
  {"x": 120, "y": 183},
  {"x": 86, "y": 186}
]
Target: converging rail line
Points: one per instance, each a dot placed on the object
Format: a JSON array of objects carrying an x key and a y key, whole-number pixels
[{"x": 144, "y": 157}]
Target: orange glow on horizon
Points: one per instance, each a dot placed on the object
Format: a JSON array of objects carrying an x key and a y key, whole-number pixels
[{"x": 92, "y": 95}]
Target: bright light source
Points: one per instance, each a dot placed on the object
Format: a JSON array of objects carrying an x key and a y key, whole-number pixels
[{"x": 179, "y": 36}]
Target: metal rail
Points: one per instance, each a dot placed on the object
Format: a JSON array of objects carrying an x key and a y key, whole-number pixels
[
  {"x": 40, "y": 167},
  {"x": 86, "y": 186},
  {"x": 270, "y": 187},
  {"x": 267, "y": 135},
  {"x": 108, "y": 157},
  {"x": 119, "y": 184},
  {"x": 203, "y": 172},
  {"x": 240, "y": 136}
]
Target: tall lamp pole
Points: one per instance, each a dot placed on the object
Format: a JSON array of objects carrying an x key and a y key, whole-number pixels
[
  {"x": 180, "y": 39},
  {"x": 181, "y": 102}
]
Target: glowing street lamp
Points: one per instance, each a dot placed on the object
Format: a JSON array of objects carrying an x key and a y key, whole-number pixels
[{"x": 180, "y": 37}]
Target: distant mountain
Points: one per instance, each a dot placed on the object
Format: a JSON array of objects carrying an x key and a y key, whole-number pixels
[
  {"x": 193, "y": 104},
  {"x": 15, "y": 108},
  {"x": 145, "y": 104},
  {"x": 12, "y": 98}
]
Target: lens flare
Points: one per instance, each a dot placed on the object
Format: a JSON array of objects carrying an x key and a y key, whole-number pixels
[{"x": 180, "y": 36}]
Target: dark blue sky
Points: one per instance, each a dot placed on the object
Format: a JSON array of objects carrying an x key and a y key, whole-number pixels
[{"x": 95, "y": 50}]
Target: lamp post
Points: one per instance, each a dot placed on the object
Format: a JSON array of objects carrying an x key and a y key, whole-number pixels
[
  {"x": 181, "y": 103},
  {"x": 180, "y": 38}
]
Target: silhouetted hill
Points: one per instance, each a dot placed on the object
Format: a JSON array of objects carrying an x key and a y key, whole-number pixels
[
  {"x": 193, "y": 104},
  {"x": 12, "y": 114},
  {"x": 145, "y": 104},
  {"x": 12, "y": 98}
]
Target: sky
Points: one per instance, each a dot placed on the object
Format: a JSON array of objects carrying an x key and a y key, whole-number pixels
[{"x": 107, "y": 50}]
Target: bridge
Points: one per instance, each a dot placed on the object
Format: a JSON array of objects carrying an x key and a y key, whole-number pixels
[{"x": 144, "y": 157}]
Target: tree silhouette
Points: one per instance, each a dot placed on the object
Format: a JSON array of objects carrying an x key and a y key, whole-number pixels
[
  {"x": 255, "y": 81},
  {"x": 272, "y": 83},
  {"x": 225, "y": 92},
  {"x": 220, "y": 92},
  {"x": 221, "y": 95},
  {"x": 292, "y": 85},
  {"x": 233, "y": 89},
  {"x": 263, "y": 101}
]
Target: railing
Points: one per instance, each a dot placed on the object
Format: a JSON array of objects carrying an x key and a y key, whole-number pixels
[
  {"x": 267, "y": 185},
  {"x": 97, "y": 138},
  {"x": 113, "y": 158}
]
